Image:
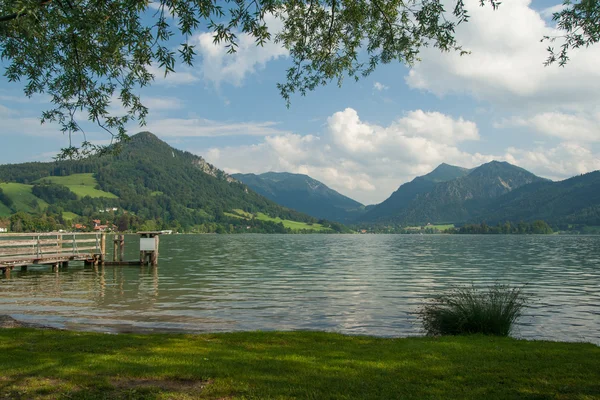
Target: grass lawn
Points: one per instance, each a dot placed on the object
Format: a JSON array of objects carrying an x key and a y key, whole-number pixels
[
  {"x": 80, "y": 184},
  {"x": 45, "y": 364},
  {"x": 22, "y": 197}
]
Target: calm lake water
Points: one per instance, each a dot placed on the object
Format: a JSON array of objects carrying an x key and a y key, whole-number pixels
[{"x": 354, "y": 284}]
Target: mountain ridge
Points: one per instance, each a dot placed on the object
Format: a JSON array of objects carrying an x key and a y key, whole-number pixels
[{"x": 303, "y": 193}]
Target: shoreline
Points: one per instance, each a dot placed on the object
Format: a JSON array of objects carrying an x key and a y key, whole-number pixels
[{"x": 8, "y": 322}]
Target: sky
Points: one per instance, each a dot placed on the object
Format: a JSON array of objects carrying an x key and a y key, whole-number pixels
[{"x": 367, "y": 138}]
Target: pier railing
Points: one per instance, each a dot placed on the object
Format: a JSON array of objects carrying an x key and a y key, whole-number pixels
[{"x": 44, "y": 248}]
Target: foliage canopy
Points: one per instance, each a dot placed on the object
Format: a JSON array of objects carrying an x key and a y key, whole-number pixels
[{"x": 86, "y": 53}]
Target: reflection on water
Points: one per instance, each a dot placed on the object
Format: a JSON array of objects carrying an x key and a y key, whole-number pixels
[{"x": 356, "y": 284}]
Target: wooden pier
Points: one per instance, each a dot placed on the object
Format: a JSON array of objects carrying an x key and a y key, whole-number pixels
[{"x": 57, "y": 249}]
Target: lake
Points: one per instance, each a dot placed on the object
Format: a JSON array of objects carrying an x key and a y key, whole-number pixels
[{"x": 353, "y": 284}]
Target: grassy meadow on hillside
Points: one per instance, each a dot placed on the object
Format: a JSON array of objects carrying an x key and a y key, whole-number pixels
[
  {"x": 49, "y": 364},
  {"x": 293, "y": 225},
  {"x": 4, "y": 211},
  {"x": 70, "y": 216},
  {"x": 22, "y": 197},
  {"x": 80, "y": 184}
]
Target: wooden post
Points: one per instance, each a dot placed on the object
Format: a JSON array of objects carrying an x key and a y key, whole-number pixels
[
  {"x": 7, "y": 272},
  {"x": 102, "y": 247},
  {"x": 154, "y": 259},
  {"x": 121, "y": 247},
  {"x": 55, "y": 267},
  {"x": 115, "y": 247},
  {"x": 59, "y": 243}
]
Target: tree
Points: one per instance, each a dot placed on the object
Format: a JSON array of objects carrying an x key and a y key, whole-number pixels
[{"x": 85, "y": 53}]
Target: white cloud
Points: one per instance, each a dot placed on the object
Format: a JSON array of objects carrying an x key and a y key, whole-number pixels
[
  {"x": 197, "y": 127},
  {"x": 16, "y": 123},
  {"x": 364, "y": 160},
  {"x": 379, "y": 86},
  {"x": 182, "y": 76},
  {"x": 6, "y": 112},
  {"x": 218, "y": 66},
  {"x": 162, "y": 103},
  {"x": 560, "y": 162},
  {"x": 572, "y": 127},
  {"x": 506, "y": 63}
]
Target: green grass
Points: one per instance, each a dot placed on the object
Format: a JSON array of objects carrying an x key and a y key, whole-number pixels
[
  {"x": 440, "y": 227},
  {"x": 234, "y": 215},
  {"x": 80, "y": 184},
  {"x": 242, "y": 213},
  {"x": 4, "y": 211},
  {"x": 38, "y": 364},
  {"x": 68, "y": 215},
  {"x": 22, "y": 197},
  {"x": 293, "y": 225}
]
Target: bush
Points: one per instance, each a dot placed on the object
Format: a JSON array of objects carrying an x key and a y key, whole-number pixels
[{"x": 468, "y": 310}]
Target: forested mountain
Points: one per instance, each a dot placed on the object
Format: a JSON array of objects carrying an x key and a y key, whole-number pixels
[
  {"x": 147, "y": 178},
  {"x": 304, "y": 194},
  {"x": 407, "y": 192},
  {"x": 569, "y": 202},
  {"x": 456, "y": 200}
]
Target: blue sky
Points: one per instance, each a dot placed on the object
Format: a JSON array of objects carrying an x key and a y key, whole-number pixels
[{"x": 367, "y": 138}]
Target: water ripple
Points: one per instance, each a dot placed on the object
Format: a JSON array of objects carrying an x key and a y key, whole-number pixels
[{"x": 355, "y": 284}]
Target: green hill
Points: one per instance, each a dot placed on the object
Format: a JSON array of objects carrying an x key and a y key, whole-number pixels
[
  {"x": 304, "y": 194},
  {"x": 152, "y": 182}
]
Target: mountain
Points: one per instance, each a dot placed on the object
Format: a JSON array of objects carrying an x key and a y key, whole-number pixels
[
  {"x": 148, "y": 179},
  {"x": 572, "y": 201},
  {"x": 304, "y": 194},
  {"x": 453, "y": 200},
  {"x": 407, "y": 192}
]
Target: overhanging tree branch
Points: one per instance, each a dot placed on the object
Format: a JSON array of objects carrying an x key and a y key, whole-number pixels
[{"x": 10, "y": 17}]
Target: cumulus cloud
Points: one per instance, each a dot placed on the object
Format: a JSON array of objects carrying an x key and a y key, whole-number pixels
[
  {"x": 559, "y": 162},
  {"x": 366, "y": 161},
  {"x": 572, "y": 127},
  {"x": 506, "y": 63},
  {"x": 218, "y": 66}
]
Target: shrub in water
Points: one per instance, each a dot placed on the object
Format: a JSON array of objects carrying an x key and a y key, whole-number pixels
[{"x": 469, "y": 310}]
